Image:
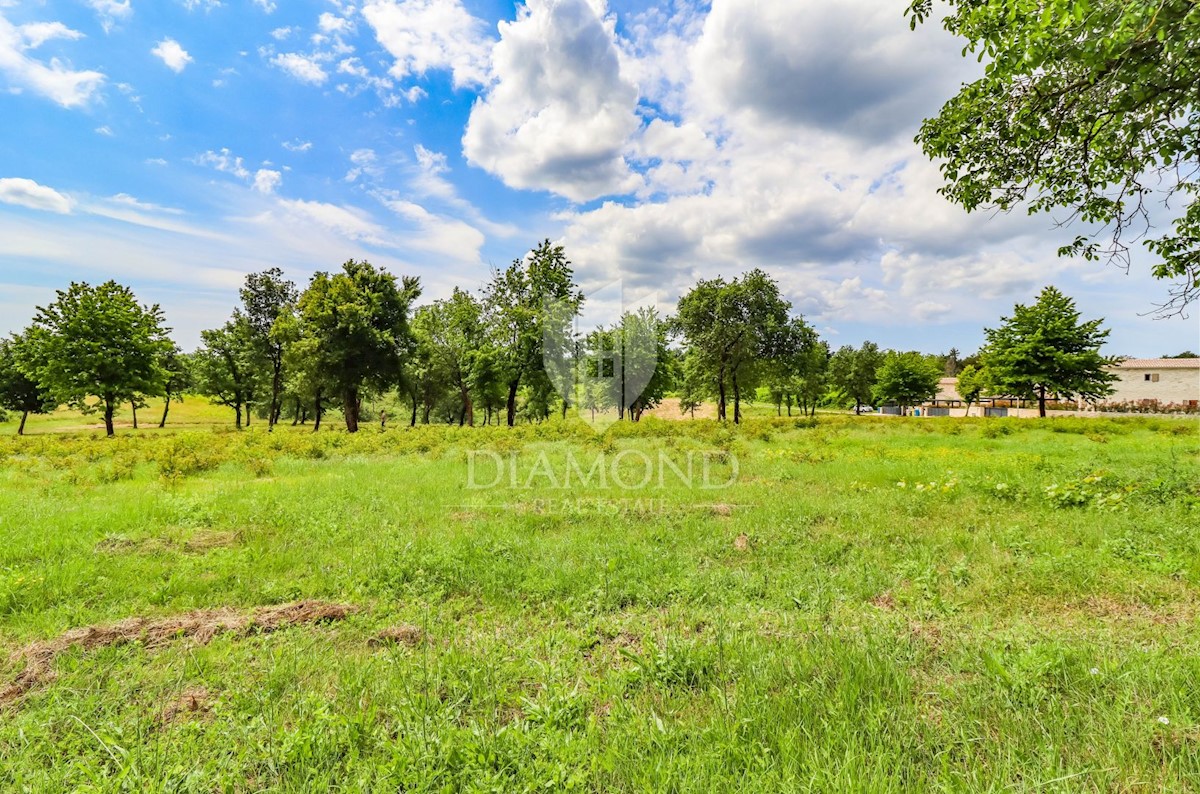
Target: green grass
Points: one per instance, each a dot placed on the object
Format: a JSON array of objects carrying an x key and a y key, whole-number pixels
[{"x": 1018, "y": 615}]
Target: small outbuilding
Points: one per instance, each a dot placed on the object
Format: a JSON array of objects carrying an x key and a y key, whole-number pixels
[{"x": 1170, "y": 382}]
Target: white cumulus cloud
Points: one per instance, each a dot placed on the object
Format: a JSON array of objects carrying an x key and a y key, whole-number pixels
[
  {"x": 110, "y": 11},
  {"x": 38, "y": 33},
  {"x": 266, "y": 180},
  {"x": 54, "y": 80},
  {"x": 559, "y": 114},
  {"x": 27, "y": 193},
  {"x": 223, "y": 161},
  {"x": 172, "y": 54},
  {"x": 427, "y": 35},
  {"x": 302, "y": 67}
]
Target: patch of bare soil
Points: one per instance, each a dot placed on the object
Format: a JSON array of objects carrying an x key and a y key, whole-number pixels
[
  {"x": 200, "y": 542},
  {"x": 1108, "y": 608},
  {"x": 669, "y": 409},
  {"x": 203, "y": 541},
  {"x": 193, "y": 702},
  {"x": 742, "y": 542},
  {"x": 398, "y": 635},
  {"x": 119, "y": 544},
  {"x": 200, "y": 626},
  {"x": 884, "y": 600},
  {"x": 722, "y": 510}
]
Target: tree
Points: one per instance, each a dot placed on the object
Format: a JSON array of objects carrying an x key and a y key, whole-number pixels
[
  {"x": 358, "y": 320},
  {"x": 177, "y": 379},
  {"x": 691, "y": 385},
  {"x": 517, "y": 305},
  {"x": 98, "y": 342},
  {"x": 423, "y": 380},
  {"x": 306, "y": 383},
  {"x": 907, "y": 379},
  {"x": 1088, "y": 106},
  {"x": 19, "y": 391},
  {"x": 798, "y": 364},
  {"x": 971, "y": 384},
  {"x": 267, "y": 300},
  {"x": 225, "y": 367},
  {"x": 951, "y": 363},
  {"x": 1045, "y": 349},
  {"x": 1184, "y": 354},
  {"x": 642, "y": 336},
  {"x": 729, "y": 328},
  {"x": 452, "y": 331},
  {"x": 854, "y": 371}
]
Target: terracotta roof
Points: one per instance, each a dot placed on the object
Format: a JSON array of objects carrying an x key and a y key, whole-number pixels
[{"x": 1160, "y": 363}]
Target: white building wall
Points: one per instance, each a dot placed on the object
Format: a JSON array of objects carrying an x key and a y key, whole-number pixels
[{"x": 1172, "y": 386}]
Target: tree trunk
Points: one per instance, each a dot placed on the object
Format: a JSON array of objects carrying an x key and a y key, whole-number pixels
[
  {"x": 737, "y": 401},
  {"x": 21, "y": 428},
  {"x": 276, "y": 387},
  {"x": 413, "y": 421},
  {"x": 108, "y": 417},
  {"x": 721, "y": 398},
  {"x": 468, "y": 407},
  {"x": 512, "y": 402},
  {"x": 237, "y": 408},
  {"x": 1042, "y": 402},
  {"x": 166, "y": 407},
  {"x": 133, "y": 405},
  {"x": 350, "y": 407}
]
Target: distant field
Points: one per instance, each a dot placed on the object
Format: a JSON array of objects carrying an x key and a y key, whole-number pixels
[{"x": 867, "y": 605}]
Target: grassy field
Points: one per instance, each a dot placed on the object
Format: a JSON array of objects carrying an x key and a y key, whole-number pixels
[{"x": 866, "y": 605}]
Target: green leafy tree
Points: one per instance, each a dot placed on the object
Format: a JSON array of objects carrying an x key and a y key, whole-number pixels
[
  {"x": 358, "y": 320},
  {"x": 307, "y": 385},
  {"x": 951, "y": 364},
  {"x": 1087, "y": 105},
  {"x": 642, "y": 336},
  {"x": 177, "y": 379},
  {"x": 854, "y": 371},
  {"x": 972, "y": 382},
  {"x": 453, "y": 333},
  {"x": 98, "y": 342},
  {"x": 425, "y": 378},
  {"x": 268, "y": 300},
  {"x": 1046, "y": 349},
  {"x": 226, "y": 369},
  {"x": 907, "y": 379},
  {"x": 692, "y": 385},
  {"x": 729, "y": 327},
  {"x": 519, "y": 303},
  {"x": 798, "y": 364},
  {"x": 19, "y": 391},
  {"x": 1184, "y": 354}
]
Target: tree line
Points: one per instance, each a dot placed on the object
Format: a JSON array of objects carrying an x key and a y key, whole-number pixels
[{"x": 358, "y": 333}]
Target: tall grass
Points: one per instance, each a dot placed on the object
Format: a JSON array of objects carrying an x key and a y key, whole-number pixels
[{"x": 872, "y": 605}]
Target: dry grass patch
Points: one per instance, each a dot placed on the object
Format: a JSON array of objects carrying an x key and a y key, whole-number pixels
[
  {"x": 193, "y": 702},
  {"x": 200, "y": 626},
  {"x": 399, "y": 635}
]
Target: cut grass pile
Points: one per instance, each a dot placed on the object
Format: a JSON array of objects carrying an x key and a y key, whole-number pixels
[{"x": 869, "y": 605}]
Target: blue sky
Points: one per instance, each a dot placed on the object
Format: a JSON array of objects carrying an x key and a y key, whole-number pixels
[{"x": 178, "y": 145}]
